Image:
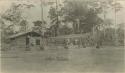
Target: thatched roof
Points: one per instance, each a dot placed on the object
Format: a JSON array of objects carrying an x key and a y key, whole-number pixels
[{"x": 23, "y": 33}]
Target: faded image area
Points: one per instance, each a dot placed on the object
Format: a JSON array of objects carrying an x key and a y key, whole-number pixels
[{"x": 62, "y": 36}]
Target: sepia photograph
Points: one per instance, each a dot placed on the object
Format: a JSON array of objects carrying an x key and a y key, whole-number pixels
[{"x": 62, "y": 36}]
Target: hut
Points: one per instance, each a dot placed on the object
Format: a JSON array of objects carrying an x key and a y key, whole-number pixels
[{"x": 29, "y": 40}]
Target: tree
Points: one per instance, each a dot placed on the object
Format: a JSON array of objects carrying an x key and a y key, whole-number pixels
[
  {"x": 83, "y": 16},
  {"x": 2, "y": 29},
  {"x": 79, "y": 13},
  {"x": 23, "y": 25},
  {"x": 14, "y": 14},
  {"x": 52, "y": 31},
  {"x": 55, "y": 15},
  {"x": 120, "y": 32},
  {"x": 74, "y": 12},
  {"x": 65, "y": 30},
  {"x": 114, "y": 6},
  {"x": 39, "y": 26}
]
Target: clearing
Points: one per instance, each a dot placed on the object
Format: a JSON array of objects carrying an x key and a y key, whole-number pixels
[{"x": 106, "y": 59}]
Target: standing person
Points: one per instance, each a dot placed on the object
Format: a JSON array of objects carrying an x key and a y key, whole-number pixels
[
  {"x": 99, "y": 40},
  {"x": 42, "y": 45},
  {"x": 99, "y": 44},
  {"x": 83, "y": 43},
  {"x": 66, "y": 43},
  {"x": 76, "y": 41}
]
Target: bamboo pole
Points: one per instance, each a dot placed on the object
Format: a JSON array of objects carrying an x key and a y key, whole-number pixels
[
  {"x": 115, "y": 24},
  {"x": 57, "y": 29},
  {"x": 42, "y": 10}
]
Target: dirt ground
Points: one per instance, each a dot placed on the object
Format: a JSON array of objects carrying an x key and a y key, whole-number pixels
[{"x": 73, "y": 60}]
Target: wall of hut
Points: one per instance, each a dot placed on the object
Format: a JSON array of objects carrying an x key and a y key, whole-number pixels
[{"x": 19, "y": 43}]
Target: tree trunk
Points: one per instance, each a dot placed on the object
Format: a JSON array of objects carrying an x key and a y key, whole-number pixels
[{"x": 78, "y": 25}]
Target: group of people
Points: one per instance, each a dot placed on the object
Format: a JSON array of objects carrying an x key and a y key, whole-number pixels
[
  {"x": 82, "y": 43},
  {"x": 68, "y": 43}
]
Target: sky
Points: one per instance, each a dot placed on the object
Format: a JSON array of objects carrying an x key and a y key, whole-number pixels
[{"x": 34, "y": 13}]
